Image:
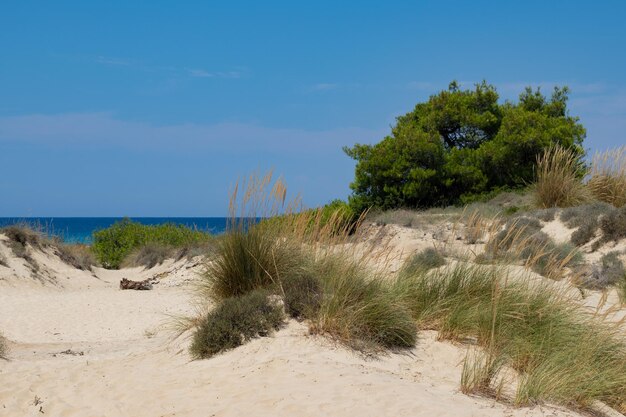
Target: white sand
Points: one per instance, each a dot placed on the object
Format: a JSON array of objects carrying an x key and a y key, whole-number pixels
[{"x": 131, "y": 366}]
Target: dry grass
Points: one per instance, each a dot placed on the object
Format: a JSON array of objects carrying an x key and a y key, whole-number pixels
[
  {"x": 559, "y": 179},
  {"x": 607, "y": 181},
  {"x": 79, "y": 256}
]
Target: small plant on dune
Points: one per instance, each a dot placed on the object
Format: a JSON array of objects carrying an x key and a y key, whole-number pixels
[
  {"x": 359, "y": 309},
  {"x": 613, "y": 225},
  {"x": 3, "y": 347},
  {"x": 574, "y": 217},
  {"x": 79, "y": 256},
  {"x": 609, "y": 271},
  {"x": 607, "y": 181},
  {"x": 559, "y": 179},
  {"x": 148, "y": 256},
  {"x": 20, "y": 238},
  {"x": 585, "y": 233},
  {"x": 560, "y": 353},
  {"x": 235, "y": 321},
  {"x": 400, "y": 217},
  {"x": 546, "y": 215},
  {"x": 428, "y": 258}
]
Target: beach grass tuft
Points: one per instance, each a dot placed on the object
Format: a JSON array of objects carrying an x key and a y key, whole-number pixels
[{"x": 559, "y": 179}]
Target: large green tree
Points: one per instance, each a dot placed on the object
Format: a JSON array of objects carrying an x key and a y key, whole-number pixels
[{"x": 461, "y": 143}]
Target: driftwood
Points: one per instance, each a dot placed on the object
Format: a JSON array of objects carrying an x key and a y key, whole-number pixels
[{"x": 126, "y": 284}]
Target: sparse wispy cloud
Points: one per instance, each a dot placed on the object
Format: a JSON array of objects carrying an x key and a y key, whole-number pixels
[
  {"x": 191, "y": 72},
  {"x": 323, "y": 87}
]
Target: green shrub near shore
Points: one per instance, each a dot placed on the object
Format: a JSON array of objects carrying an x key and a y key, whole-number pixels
[
  {"x": 113, "y": 244},
  {"x": 3, "y": 347}
]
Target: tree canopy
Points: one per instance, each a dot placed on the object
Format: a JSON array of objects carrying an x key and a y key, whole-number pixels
[{"x": 459, "y": 144}]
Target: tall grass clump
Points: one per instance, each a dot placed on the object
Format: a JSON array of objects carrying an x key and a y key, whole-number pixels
[
  {"x": 559, "y": 179},
  {"x": 561, "y": 353},
  {"x": 113, "y": 244},
  {"x": 607, "y": 181},
  {"x": 359, "y": 309},
  {"x": 235, "y": 321}
]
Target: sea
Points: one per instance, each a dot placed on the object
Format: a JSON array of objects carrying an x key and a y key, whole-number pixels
[{"x": 81, "y": 229}]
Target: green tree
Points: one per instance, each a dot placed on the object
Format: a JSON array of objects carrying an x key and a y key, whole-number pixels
[{"x": 461, "y": 143}]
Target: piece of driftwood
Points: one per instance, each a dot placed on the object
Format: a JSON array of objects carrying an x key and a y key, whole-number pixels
[{"x": 127, "y": 284}]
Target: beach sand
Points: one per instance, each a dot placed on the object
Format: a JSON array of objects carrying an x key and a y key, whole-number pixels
[{"x": 79, "y": 346}]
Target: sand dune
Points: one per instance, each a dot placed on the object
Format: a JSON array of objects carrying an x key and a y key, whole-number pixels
[{"x": 79, "y": 346}]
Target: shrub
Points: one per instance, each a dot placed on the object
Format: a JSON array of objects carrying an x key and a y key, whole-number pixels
[
  {"x": 562, "y": 354},
  {"x": 359, "y": 309},
  {"x": 608, "y": 176},
  {"x": 79, "y": 256},
  {"x": 609, "y": 271},
  {"x": 574, "y": 217},
  {"x": 235, "y": 321},
  {"x": 559, "y": 179},
  {"x": 585, "y": 233},
  {"x": 546, "y": 215},
  {"x": 428, "y": 258},
  {"x": 112, "y": 245},
  {"x": 613, "y": 225}
]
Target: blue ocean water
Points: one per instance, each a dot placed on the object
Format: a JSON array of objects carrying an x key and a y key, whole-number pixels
[{"x": 80, "y": 229}]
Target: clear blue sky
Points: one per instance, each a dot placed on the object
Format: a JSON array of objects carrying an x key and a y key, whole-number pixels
[{"x": 155, "y": 108}]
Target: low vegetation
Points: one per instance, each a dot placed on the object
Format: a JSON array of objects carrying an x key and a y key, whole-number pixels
[
  {"x": 112, "y": 245},
  {"x": 608, "y": 176},
  {"x": 561, "y": 354},
  {"x": 424, "y": 260},
  {"x": 559, "y": 179},
  {"x": 77, "y": 255},
  {"x": 235, "y": 321},
  {"x": 3, "y": 347}
]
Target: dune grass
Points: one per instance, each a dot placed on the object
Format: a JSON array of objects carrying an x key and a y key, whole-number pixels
[
  {"x": 359, "y": 309},
  {"x": 561, "y": 354},
  {"x": 607, "y": 180},
  {"x": 559, "y": 179},
  {"x": 426, "y": 259}
]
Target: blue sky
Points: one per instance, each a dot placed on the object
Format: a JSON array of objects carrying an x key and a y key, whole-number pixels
[{"x": 156, "y": 108}]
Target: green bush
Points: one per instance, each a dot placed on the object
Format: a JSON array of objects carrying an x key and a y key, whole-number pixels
[
  {"x": 113, "y": 244},
  {"x": 459, "y": 144},
  {"x": 235, "y": 321}
]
